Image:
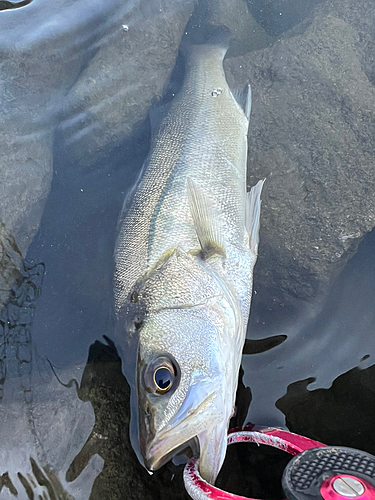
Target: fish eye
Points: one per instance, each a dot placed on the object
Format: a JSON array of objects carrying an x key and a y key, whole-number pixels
[
  {"x": 163, "y": 379},
  {"x": 160, "y": 376}
]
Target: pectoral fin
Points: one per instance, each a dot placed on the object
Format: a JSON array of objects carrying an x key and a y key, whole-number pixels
[
  {"x": 252, "y": 215},
  {"x": 205, "y": 223}
]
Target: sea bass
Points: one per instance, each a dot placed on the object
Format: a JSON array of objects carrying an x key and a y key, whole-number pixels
[{"x": 184, "y": 258}]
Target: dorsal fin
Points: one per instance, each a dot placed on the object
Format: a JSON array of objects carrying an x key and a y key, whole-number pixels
[
  {"x": 252, "y": 215},
  {"x": 205, "y": 223},
  {"x": 243, "y": 97}
]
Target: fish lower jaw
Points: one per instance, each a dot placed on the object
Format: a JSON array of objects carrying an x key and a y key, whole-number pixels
[
  {"x": 154, "y": 462},
  {"x": 187, "y": 426}
]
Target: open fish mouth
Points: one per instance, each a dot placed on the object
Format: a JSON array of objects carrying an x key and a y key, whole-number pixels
[
  {"x": 201, "y": 427},
  {"x": 157, "y": 460},
  {"x": 185, "y": 426}
]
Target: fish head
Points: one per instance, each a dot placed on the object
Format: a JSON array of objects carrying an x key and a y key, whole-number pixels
[{"x": 187, "y": 378}]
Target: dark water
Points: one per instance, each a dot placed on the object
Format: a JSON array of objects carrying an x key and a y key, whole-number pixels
[{"x": 76, "y": 84}]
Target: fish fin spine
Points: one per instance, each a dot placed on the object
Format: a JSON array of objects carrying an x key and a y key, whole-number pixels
[
  {"x": 243, "y": 98},
  {"x": 252, "y": 215}
]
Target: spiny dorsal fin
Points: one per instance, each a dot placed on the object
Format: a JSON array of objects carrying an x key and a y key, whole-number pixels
[
  {"x": 205, "y": 223},
  {"x": 243, "y": 97},
  {"x": 252, "y": 215}
]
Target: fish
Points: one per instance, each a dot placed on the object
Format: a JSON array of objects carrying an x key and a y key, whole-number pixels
[{"x": 184, "y": 257}]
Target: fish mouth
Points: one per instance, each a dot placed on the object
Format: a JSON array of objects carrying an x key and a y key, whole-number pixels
[
  {"x": 203, "y": 424},
  {"x": 156, "y": 460}
]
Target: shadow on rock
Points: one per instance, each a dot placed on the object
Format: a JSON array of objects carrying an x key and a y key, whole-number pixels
[
  {"x": 341, "y": 415},
  {"x": 104, "y": 385},
  {"x": 278, "y": 16},
  {"x": 251, "y": 470}
]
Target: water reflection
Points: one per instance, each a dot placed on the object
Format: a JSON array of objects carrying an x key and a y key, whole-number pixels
[
  {"x": 10, "y": 263},
  {"x": 331, "y": 338},
  {"x": 42, "y": 420}
]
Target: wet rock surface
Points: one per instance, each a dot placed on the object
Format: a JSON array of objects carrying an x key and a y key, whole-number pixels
[
  {"x": 129, "y": 69},
  {"x": 37, "y": 410},
  {"x": 311, "y": 136},
  {"x": 326, "y": 414},
  {"x": 278, "y": 16}
]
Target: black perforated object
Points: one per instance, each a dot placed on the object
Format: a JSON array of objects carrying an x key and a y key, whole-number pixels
[{"x": 305, "y": 473}]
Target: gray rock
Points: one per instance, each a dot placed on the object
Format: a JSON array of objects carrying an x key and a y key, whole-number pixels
[
  {"x": 130, "y": 68},
  {"x": 10, "y": 263},
  {"x": 36, "y": 69},
  {"x": 311, "y": 136},
  {"x": 278, "y": 16}
]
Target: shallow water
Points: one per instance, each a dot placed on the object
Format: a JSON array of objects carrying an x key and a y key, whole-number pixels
[{"x": 77, "y": 82}]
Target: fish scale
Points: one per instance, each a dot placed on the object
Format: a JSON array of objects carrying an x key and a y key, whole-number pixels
[
  {"x": 174, "y": 157},
  {"x": 187, "y": 245}
]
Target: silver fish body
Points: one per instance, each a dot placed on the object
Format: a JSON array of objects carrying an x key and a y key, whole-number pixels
[{"x": 186, "y": 248}]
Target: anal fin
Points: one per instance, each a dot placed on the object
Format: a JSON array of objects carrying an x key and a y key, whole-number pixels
[
  {"x": 205, "y": 222},
  {"x": 252, "y": 215}
]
